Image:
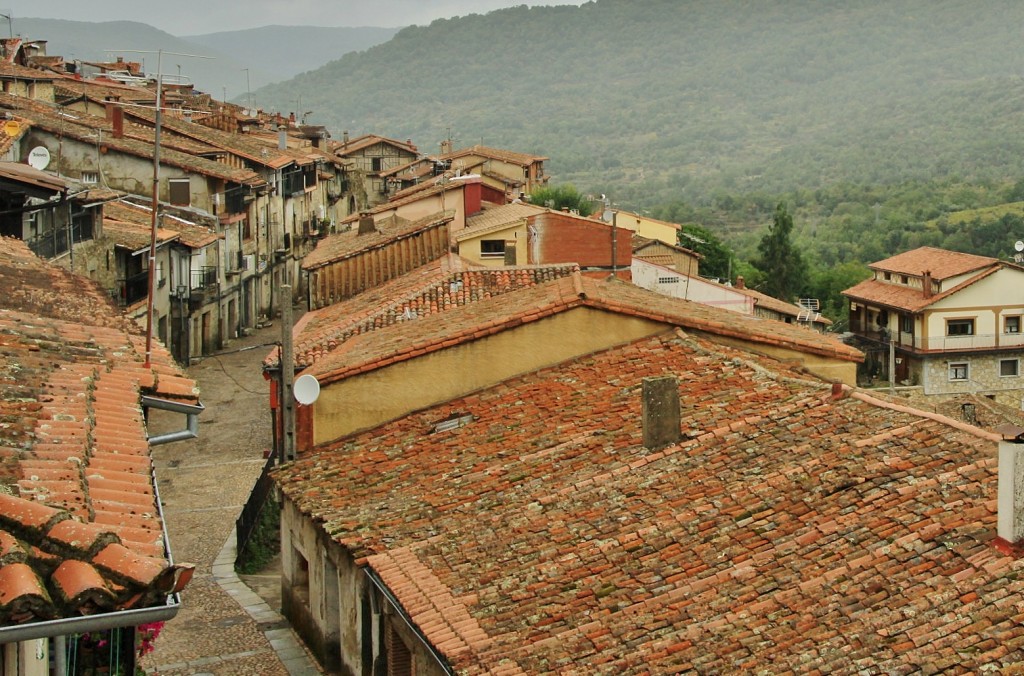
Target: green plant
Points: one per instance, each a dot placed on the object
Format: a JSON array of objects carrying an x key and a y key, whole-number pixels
[{"x": 265, "y": 541}]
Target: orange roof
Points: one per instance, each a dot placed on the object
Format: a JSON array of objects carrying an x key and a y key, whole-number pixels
[
  {"x": 942, "y": 264},
  {"x": 344, "y": 244},
  {"x": 78, "y": 513},
  {"x": 787, "y": 527},
  {"x": 512, "y": 157},
  {"x": 430, "y": 289},
  {"x": 407, "y": 340},
  {"x": 908, "y": 298}
]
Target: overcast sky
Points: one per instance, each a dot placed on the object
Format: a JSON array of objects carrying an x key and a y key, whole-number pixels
[{"x": 196, "y": 17}]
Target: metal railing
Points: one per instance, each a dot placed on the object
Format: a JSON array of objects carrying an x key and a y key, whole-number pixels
[
  {"x": 132, "y": 289},
  {"x": 982, "y": 341},
  {"x": 204, "y": 276}
]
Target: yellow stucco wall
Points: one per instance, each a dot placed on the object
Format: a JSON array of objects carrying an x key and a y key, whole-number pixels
[
  {"x": 369, "y": 399},
  {"x": 647, "y": 227},
  {"x": 827, "y": 368},
  {"x": 987, "y": 302},
  {"x": 469, "y": 248}
]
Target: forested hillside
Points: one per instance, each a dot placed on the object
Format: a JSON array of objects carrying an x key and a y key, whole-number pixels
[
  {"x": 873, "y": 120},
  {"x": 685, "y": 97}
]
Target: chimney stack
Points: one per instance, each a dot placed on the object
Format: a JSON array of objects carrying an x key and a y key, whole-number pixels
[
  {"x": 661, "y": 414},
  {"x": 366, "y": 224},
  {"x": 926, "y": 284},
  {"x": 115, "y": 114},
  {"x": 1010, "y": 510}
]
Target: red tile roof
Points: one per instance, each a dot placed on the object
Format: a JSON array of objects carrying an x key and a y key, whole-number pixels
[
  {"x": 787, "y": 527},
  {"x": 80, "y": 527},
  {"x": 407, "y": 340},
  {"x": 128, "y": 217},
  {"x": 343, "y": 148},
  {"x": 941, "y": 263},
  {"x": 430, "y": 289},
  {"x": 909, "y": 298},
  {"x": 344, "y": 244},
  {"x": 512, "y": 157}
]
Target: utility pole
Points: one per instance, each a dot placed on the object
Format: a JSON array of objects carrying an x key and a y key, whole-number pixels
[{"x": 287, "y": 378}]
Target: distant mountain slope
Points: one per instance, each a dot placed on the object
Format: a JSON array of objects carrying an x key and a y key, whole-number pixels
[
  {"x": 270, "y": 54},
  {"x": 684, "y": 97},
  {"x": 286, "y": 51}
]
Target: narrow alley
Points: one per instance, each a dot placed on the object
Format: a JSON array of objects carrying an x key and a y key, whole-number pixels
[{"x": 224, "y": 627}]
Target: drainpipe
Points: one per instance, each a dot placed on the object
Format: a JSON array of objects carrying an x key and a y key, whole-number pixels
[{"x": 191, "y": 412}]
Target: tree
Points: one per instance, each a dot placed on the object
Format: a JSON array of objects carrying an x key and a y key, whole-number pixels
[
  {"x": 564, "y": 196},
  {"x": 785, "y": 271},
  {"x": 718, "y": 259}
]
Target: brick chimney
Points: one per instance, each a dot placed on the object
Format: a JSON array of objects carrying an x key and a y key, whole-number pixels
[
  {"x": 926, "y": 284},
  {"x": 740, "y": 284},
  {"x": 115, "y": 114},
  {"x": 366, "y": 224},
  {"x": 1010, "y": 502},
  {"x": 661, "y": 414}
]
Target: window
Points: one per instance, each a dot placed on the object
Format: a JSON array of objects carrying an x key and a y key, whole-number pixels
[
  {"x": 180, "y": 191},
  {"x": 377, "y": 163},
  {"x": 888, "y": 276},
  {"x": 492, "y": 248},
  {"x": 959, "y": 370},
  {"x": 907, "y": 324},
  {"x": 1009, "y": 367},
  {"x": 904, "y": 279},
  {"x": 960, "y": 327},
  {"x": 90, "y": 177},
  {"x": 1011, "y": 324}
]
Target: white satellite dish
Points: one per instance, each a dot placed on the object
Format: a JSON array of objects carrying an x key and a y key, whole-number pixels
[
  {"x": 1019, "y": 245},
  {"x": 39, "y": 158},
  {"x": 306, "y": 389}
]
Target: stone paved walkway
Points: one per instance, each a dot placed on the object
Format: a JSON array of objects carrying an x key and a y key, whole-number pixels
[{"x": 223, "y": 627}]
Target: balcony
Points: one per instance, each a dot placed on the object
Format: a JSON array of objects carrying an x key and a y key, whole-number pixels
[{"x": 937, "y": 344}]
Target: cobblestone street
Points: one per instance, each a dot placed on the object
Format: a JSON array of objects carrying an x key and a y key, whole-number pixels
[{"x": 224, "y": 627}]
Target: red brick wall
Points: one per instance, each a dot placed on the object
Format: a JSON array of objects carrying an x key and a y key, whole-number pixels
[{"x": 562, "y": 238}]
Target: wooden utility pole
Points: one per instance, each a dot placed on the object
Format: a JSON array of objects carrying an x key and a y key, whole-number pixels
[{"x": 287, "y": 378}]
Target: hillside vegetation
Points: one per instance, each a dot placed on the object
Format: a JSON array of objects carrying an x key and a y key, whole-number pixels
[{"x": 659, "y": 99}]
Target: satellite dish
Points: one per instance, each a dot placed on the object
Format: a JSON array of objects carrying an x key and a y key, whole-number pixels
[
  {"x": 306, "y": 389},
  {"x": 39, "y": 158},
  {"x": 1019, "y": 246}
]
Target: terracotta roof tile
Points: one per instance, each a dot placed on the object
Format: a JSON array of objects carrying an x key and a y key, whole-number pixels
[
  {"x": 909, "y": 298},
  {"x": 787, "y": 527},
  {"x": 522, "y": 159},
  {"x": 404, "y": 340},
  {"x": 76, "y": 484},
  {"x": 430, "y": 289},
  {"x": 941, "y": 263},
  {"x": 344, "y": 244}
]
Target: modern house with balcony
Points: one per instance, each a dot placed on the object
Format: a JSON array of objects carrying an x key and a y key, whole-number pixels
[{"x": 949, "y": 322}]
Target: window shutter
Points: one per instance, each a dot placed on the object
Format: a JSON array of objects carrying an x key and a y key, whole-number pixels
[{"x": 399, "y": 657}]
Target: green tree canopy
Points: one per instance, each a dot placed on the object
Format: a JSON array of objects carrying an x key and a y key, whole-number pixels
[
  {"x": 718, "y": 258},
  {"x": 786, "y": 274},
  {"x": 564, "y": 196}
]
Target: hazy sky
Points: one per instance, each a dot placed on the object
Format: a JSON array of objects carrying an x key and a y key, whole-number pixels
[{"x": 195, "y": 17}]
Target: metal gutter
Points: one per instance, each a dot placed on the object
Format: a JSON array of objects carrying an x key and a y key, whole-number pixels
[
  {"x": 79, "y": 625},
  {"x": 191, "y": 412},
  {"x": 100, "y": 621},
  {"x": 379, "y": 584}
]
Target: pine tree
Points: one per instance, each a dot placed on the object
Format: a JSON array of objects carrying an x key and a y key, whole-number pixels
[{"x": 786, "y": 273}]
